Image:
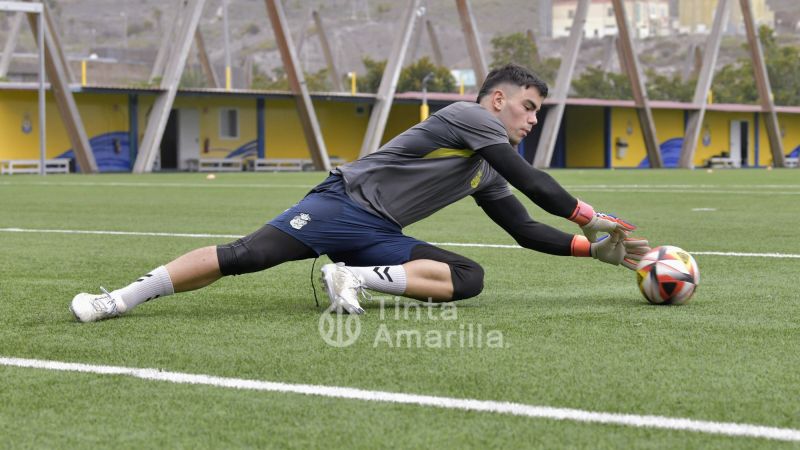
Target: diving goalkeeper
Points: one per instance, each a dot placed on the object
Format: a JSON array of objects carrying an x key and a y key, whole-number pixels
[{"x": 356, "y": 216}]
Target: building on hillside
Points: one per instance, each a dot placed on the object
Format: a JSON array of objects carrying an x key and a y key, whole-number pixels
[
  {"x": 647, "y": 17},
  {"x": 697, "y": 16}
]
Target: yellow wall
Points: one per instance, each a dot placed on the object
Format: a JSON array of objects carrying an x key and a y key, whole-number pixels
[
  {"x": 716, "y": 126},
  {"x": 585, "y": 133},
  {"x": 343, "y": 125},
  {"x": 790, "y": 130},
  {"x": 209, "y": 109},
  {"x": 625, "y": 127},
  {"x": 401, "y": 117},
  {"x": 100, "y": 114}
]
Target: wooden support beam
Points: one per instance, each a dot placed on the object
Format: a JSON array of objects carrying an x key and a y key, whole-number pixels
[
  {"x": 417, "y": 37},
  {"x": 11, "y": 42},
  {"x": 57, "y": 74},
  {"x": 532, "y": 37},
  {"x": 166, "y": 43},
  {"x": 555, "y": 112},
  {"x": 763, "y": 86},
  {"x": 205, "y": 63},
  {"x": 159, "y": 114},
  {"x": 472, "y": 40},
  {"x": 437, "y": 50},
  {"x": 333, "y": 71},
  {"x": 694, "y": 122},
  {"x": 609, "y": 50},
  {"x": 689, "y": 62},
  {"x": 52, "y": 28},
  {"x": 620, "y": 51},
  {"x": 634, "y": 71},
  {"x": 388, "y": 86},
  {"x": 297, "y": 82}
]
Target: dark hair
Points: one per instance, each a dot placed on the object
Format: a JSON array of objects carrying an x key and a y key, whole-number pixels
[{"x": 512, "y": 74}]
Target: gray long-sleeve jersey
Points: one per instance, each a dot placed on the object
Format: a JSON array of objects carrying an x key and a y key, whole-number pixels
[{"x": 430, "y": 166}]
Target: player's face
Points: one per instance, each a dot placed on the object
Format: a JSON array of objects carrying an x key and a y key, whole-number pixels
[{"x": 518, "y": 111}]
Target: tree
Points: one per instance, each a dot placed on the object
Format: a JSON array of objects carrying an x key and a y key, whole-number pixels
[
  {"x": 662, "y": 87},
  {"x": 412, "y": 75},
  {"x": 520, "y": 49},
  {"x": 735, "y": 82},
  {"x": 372, "y": 79},
  {"x": 597, "y": 83},
  {"x": 515, "y": 48},
  {"x": 316, "y": 82},
  {"x": 192, "y": 77}
]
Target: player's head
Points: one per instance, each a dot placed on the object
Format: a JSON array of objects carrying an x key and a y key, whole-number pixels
[
  {"x": 514, "y": 75},
  {"x": 514, "y": 95}
]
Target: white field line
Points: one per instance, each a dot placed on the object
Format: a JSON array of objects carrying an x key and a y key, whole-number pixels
[
  {"x": 742, "y": 189},
  {"x": 443, "y": 244},
  {"x": 682, "y": 191},
  {"x": 516, "y": 409},
  {"x": 209, "y": 184},
  {"x": 121, "y": 233}
]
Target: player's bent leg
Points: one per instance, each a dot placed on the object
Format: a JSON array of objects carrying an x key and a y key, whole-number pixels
[
  {"x": 429, "y": 273},
  {"x": 428, "y": 280},
  {"x": 464, "y": 275}
]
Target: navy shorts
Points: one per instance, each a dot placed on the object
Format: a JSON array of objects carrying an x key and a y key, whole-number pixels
[{"x": 332, "y": 224}]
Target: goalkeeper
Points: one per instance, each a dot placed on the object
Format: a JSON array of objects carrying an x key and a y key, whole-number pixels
[{"x": 357, "y": 214}]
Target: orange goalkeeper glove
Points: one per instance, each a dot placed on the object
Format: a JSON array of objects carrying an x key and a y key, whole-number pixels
[{"x": 593, "y": 222}]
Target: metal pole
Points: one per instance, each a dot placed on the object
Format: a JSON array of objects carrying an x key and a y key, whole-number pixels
[
  {"x": 227, "y": 45},
  {"x": 424, "y": 110},
  {"x": 42, "y": 137}
]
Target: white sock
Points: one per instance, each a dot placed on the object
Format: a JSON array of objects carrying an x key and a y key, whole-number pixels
[
  {"x": 151, "y": 286},
  {"x": 388, "y": 279}
]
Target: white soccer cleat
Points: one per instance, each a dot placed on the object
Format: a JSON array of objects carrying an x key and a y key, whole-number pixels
[
  {"x": 93, "y": 307},
  {"x": 343, "y": 287}
]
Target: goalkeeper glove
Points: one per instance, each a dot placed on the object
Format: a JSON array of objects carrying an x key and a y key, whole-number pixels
[
  {"x": 593, "y": 222},
  {"x": 614, "y": 248}
]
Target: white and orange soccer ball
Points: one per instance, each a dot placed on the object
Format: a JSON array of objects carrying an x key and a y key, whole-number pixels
[{"x": 667, "y": 275}]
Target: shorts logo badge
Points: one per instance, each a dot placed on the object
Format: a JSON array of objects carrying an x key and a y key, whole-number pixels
[
  {"x": 477, "y": 180},
  {"x": 300, "y": 221}
]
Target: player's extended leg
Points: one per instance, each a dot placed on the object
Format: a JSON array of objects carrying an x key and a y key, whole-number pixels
[{"x": 265, "y": 248}]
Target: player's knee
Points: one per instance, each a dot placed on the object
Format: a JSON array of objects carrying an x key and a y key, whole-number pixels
[
  {"x": 467, "y": 279},
  {"x": 238, "y": 258}
]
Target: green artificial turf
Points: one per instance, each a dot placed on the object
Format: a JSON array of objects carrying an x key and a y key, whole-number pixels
[{"x": 576, "y": 333}]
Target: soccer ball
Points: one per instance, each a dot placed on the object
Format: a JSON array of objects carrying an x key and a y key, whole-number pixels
[{"x": 667, "y": 275}]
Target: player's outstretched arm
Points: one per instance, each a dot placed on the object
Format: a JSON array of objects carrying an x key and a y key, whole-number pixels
[
  {"x": 545, "y": 191},
  {"x": 510, "y": 214}
]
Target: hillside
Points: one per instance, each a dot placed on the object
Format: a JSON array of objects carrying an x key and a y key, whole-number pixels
[{"x": 131, "y": 31}]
